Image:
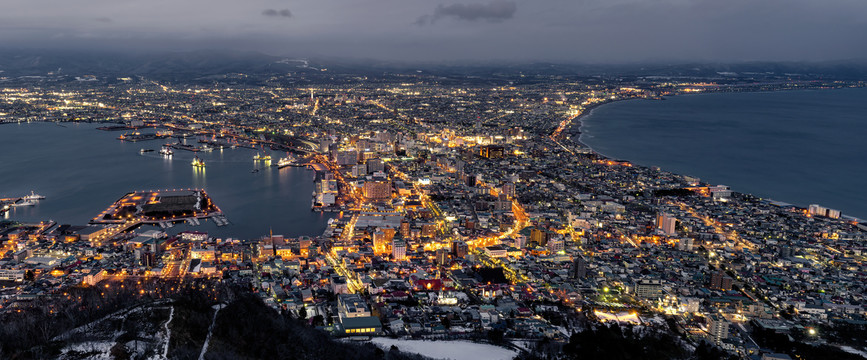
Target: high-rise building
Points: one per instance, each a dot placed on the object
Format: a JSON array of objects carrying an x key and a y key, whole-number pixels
[
  {"x": 324, "y": 144},
  {"x": 817, "y": 210},
  {"x": 556, "y": 245},
  {"x": 398, "y": 250},
  {"x": 404, "y": 228},
  {"x": 377, "y": 189},
  {"x": 460, "y": 249},
  {"x": 374, "y": 165},
  {"x": 685, "y": 244},
  {"x": 579, "y": 267},
  {"x": 491, "y": 151},
  {"x": 648, "y": 288},
  {"x": 720, "y": 192},
  {"x": 539, "y": 236},
  {"x": 666, "y": 223},
  {"x": 719, "y": 280},
  {"x": 520, "y": 241},
  {"x": 380, "y": 242},
  {"x": 347, "y": 157},
  {"x": 443, "y": 257},
  {"x": 509, "y": 189},
  {"x": 359, "y": 170},
  {"x": 718, "y": 328},
  {"x": 148, "y": 259},
  {"x": 471, "y": 180}
]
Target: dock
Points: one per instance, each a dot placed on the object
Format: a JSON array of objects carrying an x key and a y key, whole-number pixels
[
  {"x": 220, "y": 220},
  {"x": 184, "y": 147}
]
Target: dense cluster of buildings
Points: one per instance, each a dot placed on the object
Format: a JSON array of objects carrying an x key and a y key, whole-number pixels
[{"x": 467, "y": 210}]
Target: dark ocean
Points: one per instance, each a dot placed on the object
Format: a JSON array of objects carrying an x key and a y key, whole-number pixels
[{"x": 801, "y": 147}]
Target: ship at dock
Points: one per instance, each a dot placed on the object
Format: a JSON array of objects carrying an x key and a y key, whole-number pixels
[
  {"x": 289, "y": 160},
  {"x": 24, "y": 202},
  {"x": 34, "y": 196}
]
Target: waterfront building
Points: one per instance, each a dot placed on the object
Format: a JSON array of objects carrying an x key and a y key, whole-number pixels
[
  {"x": 817, "y": 210},
  {"x": 720, "y": 192}
]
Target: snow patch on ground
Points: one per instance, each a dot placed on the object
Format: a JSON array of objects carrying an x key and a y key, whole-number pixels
[
  {"x": 98, "y": 350},
  {"x": 217, "y": 309},
  {"x": 168, "y": 333},
  {"x": 527, "y": 345},
  {"x": 656, "y": 320},
  {"x": 453, "y": 350},
  {"x": 855, "y": 351}
]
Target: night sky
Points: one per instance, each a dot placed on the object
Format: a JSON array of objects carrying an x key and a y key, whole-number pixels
[{"x": 620, "y": 31}]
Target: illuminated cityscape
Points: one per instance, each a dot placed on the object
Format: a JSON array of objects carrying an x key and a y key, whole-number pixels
[
  {"x": 433, "y": 180},
  {"x": 460, "y": 211}
]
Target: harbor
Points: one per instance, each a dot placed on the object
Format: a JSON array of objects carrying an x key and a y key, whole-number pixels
[
  {"x": 153, "y": 207},
  {"x": 27, "y": 200},
  {"x": 80, "y": 184}
]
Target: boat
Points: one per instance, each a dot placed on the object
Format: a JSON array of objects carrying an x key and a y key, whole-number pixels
[
  {"x": 198, "y": 162},
  {"x": 166, "y": 151},
  {"x": 145, "y": 150},
  {"x": 286, "y": 161},
  {"x": 207, "y": 148},
  {"x": 24, "y": 203},
  {"x": 34, "y": 196},
  {"x": 258, "y": 157}
]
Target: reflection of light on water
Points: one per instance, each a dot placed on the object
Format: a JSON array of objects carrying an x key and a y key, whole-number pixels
[{"x": 199, "y": 179}]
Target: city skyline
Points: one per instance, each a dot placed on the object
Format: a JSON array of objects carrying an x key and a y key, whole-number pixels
[{"x": 410, "y": 180}]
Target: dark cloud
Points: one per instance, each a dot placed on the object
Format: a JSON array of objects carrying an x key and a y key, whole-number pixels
[
  {"x": 276, "y": 13},
  {"x": 457, "y": 30},
  {"x": 496, "y": 10},
  {"x": 102, "y": 19}
]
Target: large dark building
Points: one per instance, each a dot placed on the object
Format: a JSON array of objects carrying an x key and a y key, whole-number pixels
[
  {"x": 719, "y": 280},
  {"x": 579, "y": 267},
  {"x": 492, "y": 151},
  {"x": 460, "y": 249}
]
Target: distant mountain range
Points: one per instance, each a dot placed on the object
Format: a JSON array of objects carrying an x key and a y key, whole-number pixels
[{"x": 201, "y": 64}]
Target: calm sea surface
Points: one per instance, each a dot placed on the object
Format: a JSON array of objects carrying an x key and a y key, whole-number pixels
[
  {"x": 801, "y": 147},
  {"x": 82, "y": 171}
]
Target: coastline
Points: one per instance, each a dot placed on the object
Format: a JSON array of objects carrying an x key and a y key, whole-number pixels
[
  {"x": 586, "y": 114},
  {"x": 581, "y": 126},
  {"x": 229, "y": 182},
  {"x": 590, "y": 109}
]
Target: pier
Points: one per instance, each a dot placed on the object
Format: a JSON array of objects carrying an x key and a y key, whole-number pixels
[{"x": 220, "y": 219}]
